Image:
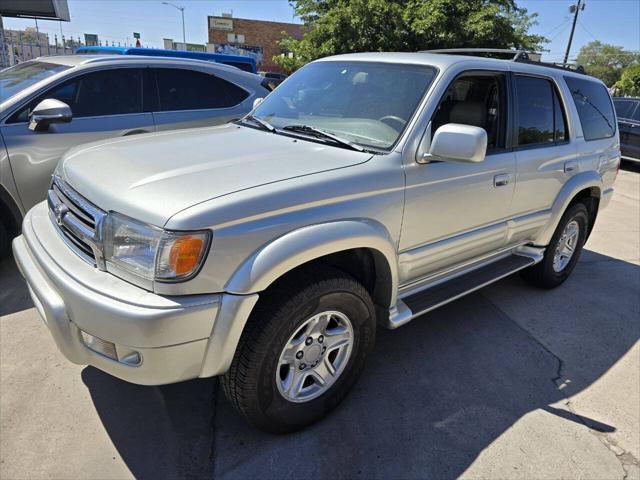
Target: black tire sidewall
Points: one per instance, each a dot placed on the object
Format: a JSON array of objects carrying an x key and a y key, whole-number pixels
[
  {"x": 579, "y": 213},
  {"x": 4, "y": 241},
  {"x": 285, "y": 415}
]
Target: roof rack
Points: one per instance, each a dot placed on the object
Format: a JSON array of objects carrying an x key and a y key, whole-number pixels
[{"x": 522, "y": 56}]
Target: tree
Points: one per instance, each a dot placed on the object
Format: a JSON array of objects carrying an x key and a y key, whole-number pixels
[
  {"x": 605, "y": 61},
  {"x": 343, "y": 26},
  {"x": 629, "y": 83}
]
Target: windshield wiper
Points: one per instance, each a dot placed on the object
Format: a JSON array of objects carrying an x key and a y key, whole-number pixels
[
  {"x": 262, "y": 123},
  {"x": 318, "y": 132}
]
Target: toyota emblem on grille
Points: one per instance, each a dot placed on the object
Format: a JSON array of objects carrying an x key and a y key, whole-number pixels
[{"x": 60, "y": 211}]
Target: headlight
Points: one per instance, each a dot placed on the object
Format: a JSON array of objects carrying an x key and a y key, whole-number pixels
[{"x": 151, "y": 252}]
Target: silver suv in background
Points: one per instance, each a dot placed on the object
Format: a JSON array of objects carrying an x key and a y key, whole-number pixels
[
  {"x": 366, "y": 190},
  {"x": 51, "y": 104}
]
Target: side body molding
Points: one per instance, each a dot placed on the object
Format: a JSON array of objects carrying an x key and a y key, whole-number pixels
[
  {"x": 577, "y": 183},
  {"x": 308, "y": 243}
]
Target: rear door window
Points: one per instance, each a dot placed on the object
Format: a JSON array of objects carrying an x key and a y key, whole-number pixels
[
  {"x": 594, "y": 107},
  {"x": 541, "y": 117},
  {"x": 181, "y": 89}
]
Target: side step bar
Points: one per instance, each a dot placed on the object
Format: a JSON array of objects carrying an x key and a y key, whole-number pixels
[{"x": 440, "y": 294}]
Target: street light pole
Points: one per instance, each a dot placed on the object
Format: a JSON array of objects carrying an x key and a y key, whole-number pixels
[
  {"x": 184, "y": 36},
  {"x": 578, "y": 7}
]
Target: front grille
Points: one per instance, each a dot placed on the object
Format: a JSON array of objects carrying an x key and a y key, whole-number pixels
[{"x": 78, "y": 220}]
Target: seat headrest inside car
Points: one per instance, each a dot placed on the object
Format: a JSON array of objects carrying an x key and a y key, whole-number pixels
[{"x": 469, "y": 113}]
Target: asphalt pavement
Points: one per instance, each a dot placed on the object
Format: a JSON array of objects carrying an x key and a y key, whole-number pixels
[{"x": 509, "y": 382}]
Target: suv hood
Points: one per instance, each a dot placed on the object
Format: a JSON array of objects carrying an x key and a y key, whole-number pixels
[{"x": 153, "y": 176}]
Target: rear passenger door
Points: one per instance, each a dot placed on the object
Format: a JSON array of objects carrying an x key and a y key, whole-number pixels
[
  {"x": 545, "y": 157},
  {"x": 190, "y": 98}
]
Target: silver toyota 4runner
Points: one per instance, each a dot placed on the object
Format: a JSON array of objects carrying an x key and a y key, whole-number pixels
[{"x": 365, "y": 190}]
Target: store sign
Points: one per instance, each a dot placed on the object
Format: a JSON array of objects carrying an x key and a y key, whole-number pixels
[{"x": 221, "y": 23}]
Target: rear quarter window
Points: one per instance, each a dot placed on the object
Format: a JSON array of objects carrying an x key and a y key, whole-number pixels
[{"x": 594, "y": 106}]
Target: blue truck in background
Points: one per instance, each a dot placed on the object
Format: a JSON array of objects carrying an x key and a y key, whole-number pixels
[{"x": 248, "y": 64}]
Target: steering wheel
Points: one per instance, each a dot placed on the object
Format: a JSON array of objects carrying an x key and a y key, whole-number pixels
[{"x": 394, "y": 118}]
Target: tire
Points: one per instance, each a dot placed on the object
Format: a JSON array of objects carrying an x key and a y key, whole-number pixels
[
  {"x": 545, "y": 274},
  {"x": 5, "y": 244},
  {"x": 255, "y": 383}
]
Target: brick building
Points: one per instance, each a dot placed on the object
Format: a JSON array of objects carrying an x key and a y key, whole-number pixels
[{"x": 257, "y": 37}]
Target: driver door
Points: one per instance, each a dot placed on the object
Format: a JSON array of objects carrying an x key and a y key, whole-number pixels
[{"x": 454, "y": 211}]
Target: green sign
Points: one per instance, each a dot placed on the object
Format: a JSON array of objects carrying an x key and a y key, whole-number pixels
[
  {"x": 194, "y": 47},
  {"x": 136, "y": 35},
  {"x": 90, "y": 39}
]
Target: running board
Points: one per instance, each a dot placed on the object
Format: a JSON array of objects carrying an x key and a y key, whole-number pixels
[{"x": 433, "y": 297}]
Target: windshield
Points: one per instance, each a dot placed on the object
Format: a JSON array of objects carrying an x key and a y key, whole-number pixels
[
  {"x": 16, "y": 78},
  {"x": 365, "y": 102}
]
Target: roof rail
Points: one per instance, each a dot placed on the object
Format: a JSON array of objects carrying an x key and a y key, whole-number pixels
[
  {"x": 514, "y": 54},
  {"x": 522, "y": 56}
]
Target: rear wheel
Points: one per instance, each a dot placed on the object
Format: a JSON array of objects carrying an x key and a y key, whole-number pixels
[
  {"x": 302, "y": 350},
  {"x": 564, "y": 250}
]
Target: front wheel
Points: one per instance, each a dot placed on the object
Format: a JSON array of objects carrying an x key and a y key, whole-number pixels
[
  {"x": 5, "y": 244},
  {"x": 302, "y": 350},
  {"x": 564, "y": 250}
]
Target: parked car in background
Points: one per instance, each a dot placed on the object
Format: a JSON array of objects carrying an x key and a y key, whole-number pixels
[
  {"x": 273, "y": 78},
  {"x": 366, "y": 190},
  {"x": 628, "y": 110},
  {"x": 50, "y": 104}
]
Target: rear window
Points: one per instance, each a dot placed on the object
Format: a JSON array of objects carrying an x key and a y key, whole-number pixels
[
  {"x": 191, "y": 90},
  {"x": 594, "y": 108}
]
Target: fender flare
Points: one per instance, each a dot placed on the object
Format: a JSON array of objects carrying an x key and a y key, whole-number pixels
[
  {"x": 575, "y": 185},
  {"x": 305, "y": 244}
]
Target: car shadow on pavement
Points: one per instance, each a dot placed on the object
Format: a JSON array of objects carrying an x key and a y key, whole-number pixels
[
  {"x": 14, "y": 294},
  {"x": 434, "y": 394},
  {"x": 160, "y": 432}
]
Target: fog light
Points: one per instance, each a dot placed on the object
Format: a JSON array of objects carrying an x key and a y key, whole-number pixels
[{"x": 98, "y": 345}]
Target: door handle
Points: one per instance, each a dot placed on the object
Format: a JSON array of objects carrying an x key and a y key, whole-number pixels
[
  {"x": 501, "y": 180},
  {"x": 570, "y": 166},
  {"x": 135, "y": 131}
]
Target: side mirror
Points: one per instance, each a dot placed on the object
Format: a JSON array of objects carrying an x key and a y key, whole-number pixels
[
  {"x": 257, "y": 102},
  {"x": 47, "y": 112},
  {"x": 455, "y": 142}
]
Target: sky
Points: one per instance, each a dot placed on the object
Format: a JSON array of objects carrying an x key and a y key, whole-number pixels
[{"x": 610, "y": 21}]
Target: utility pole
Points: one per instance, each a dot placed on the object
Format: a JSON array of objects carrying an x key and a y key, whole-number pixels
[
  {"x": 4, "y": 53},
  {"x": 184, "y": 37},
  {"x": 575, "y": 9}
]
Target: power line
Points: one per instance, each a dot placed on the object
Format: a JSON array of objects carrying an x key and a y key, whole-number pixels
[
  {"x": 562, "y": 30},
  {"x": 564, "y": 21},
  {"x": 586, "y": 30}
]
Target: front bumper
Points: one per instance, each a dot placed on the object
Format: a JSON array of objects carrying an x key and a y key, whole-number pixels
[{"x": 174, "y": 336}]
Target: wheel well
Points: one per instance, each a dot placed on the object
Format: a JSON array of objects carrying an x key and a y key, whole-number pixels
[
  {"x": 9, "y": 213},
  {"x": 590, "y": 197},
  {"x": 366, "y": 265}
]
